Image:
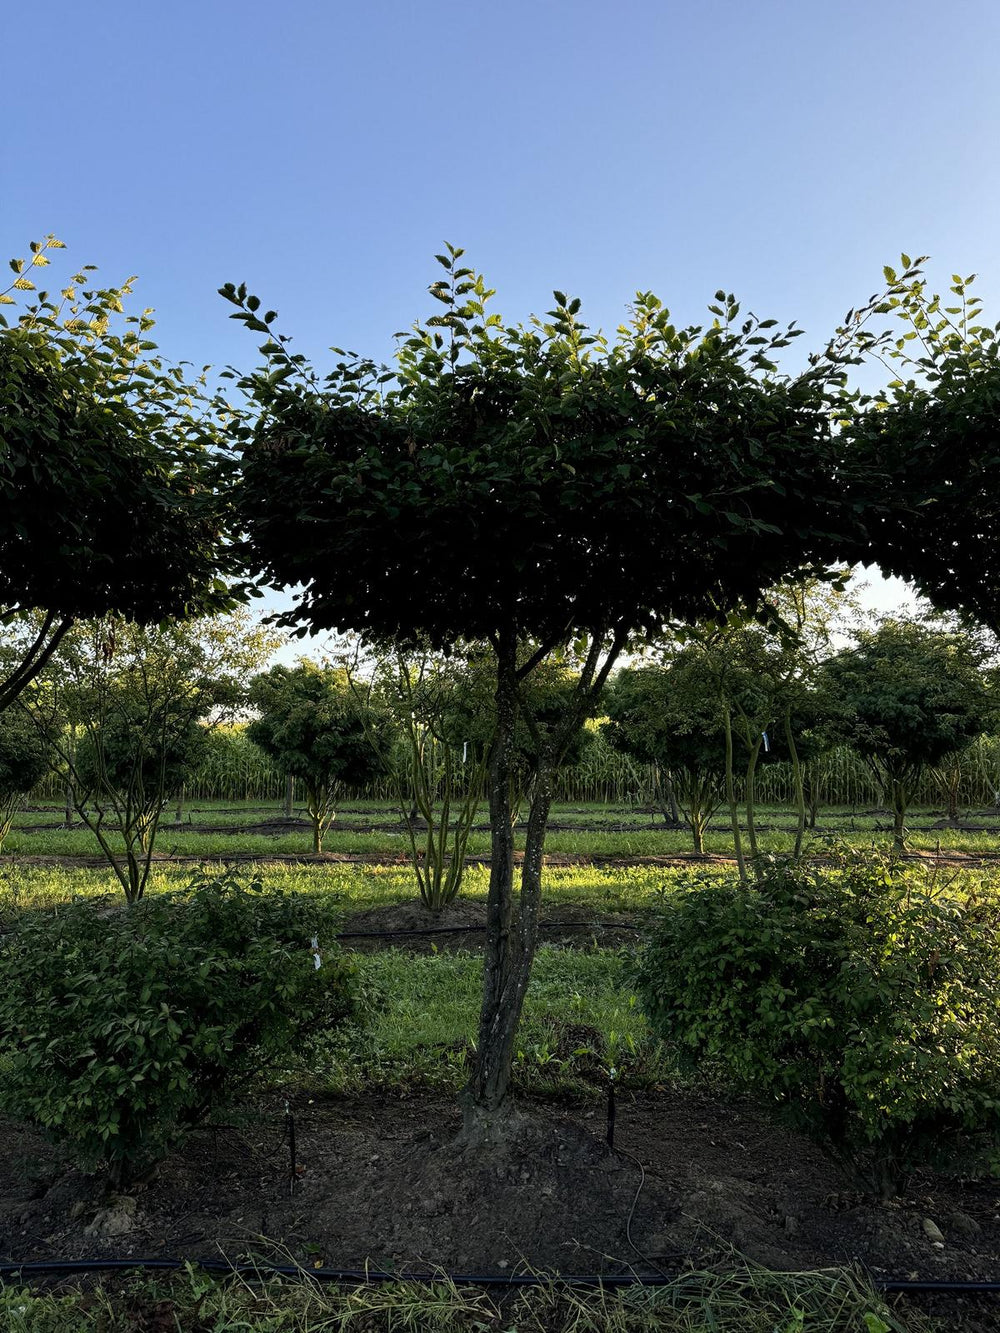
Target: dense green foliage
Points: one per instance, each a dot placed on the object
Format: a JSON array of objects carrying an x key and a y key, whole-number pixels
[
  {"x": 908, "y": 697},
  {"x": 24, "y": 761},
  {"x": 119, "y": 1028},
  {"x": 670, "y": 717},
  {"x": 109, "y": 494},
  {"x": 867, "y": 1002},
  {"x": 312, "y": 725},
  {"x": 932, "y": 436},
  {"x": 156, "y": 755}
]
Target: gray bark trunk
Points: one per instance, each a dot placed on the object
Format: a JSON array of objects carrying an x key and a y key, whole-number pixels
[{"x": 507, "y": 960}]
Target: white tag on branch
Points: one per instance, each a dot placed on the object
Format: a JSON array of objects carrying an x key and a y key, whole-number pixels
[
  {"x": 317, "y": 956},
  {"x": 767, "y": 743}
]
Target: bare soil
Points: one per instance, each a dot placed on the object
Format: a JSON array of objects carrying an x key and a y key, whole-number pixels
[
  {"x": 381, "y": 1181},
  {"x": 462, "y": 925}
]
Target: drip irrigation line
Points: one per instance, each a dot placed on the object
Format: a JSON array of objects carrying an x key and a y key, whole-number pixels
[{"x": 372, "y": 1276}]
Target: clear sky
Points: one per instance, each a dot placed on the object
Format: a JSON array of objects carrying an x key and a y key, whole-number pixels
[{"x": 321, "y": 151}]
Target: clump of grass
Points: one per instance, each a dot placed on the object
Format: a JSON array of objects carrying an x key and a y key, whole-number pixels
[{"x": 745, "y": 1300}]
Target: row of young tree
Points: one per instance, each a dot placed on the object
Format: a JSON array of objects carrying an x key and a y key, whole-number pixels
[
  {"x": 125, "y": 717},
  {"x": 907, "y": 698},
  {"x": 535, "y": 487}
]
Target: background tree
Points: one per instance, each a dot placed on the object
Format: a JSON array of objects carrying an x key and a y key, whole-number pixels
[
  {"x": 436, "y": 760},
  {"x": 24, "y": 761},
  {"x": 814, "y": 725},
  {"x": 765, "y": 675},
  {"x": 126, "y": 708},
  {"x": 442, "y": 707},
  {"x": 310, "y": 723},
  {"x": 910, "y": 696},
  {"x": 532, "y": 487},
  {"x": 109, "y": 489},
  {"x": 669, "y": 716}
]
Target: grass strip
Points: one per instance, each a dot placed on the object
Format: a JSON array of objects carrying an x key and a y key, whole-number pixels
[{"x": 746, "y": 1299}]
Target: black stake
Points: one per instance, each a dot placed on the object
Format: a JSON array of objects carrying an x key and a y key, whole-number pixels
[
  {"x": 290, "y": 1131},
  {"x": 611, "y": 1111}
]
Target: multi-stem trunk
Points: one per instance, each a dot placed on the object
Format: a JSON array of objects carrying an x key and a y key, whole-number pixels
[
  {"x": 486, "y": 1096},
  {"x": 512, "y": 928},
  {"x": 321, "y": 805},
  {"x": 666, "y": 797}
]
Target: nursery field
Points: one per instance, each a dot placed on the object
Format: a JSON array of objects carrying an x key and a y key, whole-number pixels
[
  {"x": 375, "y": 831},
  {"x": 701, "y": 1177}
]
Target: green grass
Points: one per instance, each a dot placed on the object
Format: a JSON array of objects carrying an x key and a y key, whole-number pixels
[
  {"x": 418, "y": 1015},
  {"x": 351, "y": 888},
  {"x": 227, "y": 830},
  {"x": 745, "y": 1300}
]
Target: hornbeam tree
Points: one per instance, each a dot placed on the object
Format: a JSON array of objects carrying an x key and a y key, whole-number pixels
[
  {"x": 934, "y": 432},
  {"x": 108, "y": 494},
  {"x": 535, "y": 486}
]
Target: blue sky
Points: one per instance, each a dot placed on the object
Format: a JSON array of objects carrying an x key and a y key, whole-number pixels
[{"x": 321, "y": 152}]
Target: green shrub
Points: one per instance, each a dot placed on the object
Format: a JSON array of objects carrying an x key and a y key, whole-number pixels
[
  {"x": 24, "y": 761},
  {"x": 121, "y": 1027},
  {"x": 857, "y": 995}
]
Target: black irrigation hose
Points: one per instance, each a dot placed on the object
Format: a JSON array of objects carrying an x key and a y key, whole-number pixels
[{"x": 368, "y": 1276}]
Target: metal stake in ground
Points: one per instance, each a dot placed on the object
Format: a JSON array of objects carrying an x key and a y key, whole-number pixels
[
  {"x": 611, "y": 1108},
  {"x": 293, "y": 1174}
]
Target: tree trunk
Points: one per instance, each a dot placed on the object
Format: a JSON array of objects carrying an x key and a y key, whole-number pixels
[
  {"x": 800, "y": 795},
  {"x": 734, "y": 814},
  {"x": 289, "y": 795},
  {"x": 509, "y": 943},
  {"x": 698, "y": 831},
  {"x": 68, "y": 820},
  {"x": 813, "y": 793},
  {"x": 954, "y": 783},
  {"x": 179, "y": 813},
  {"x": 899, "y": 816},
  {"x": 751, "y": 795},
  {"x": 666, "y": 798}
]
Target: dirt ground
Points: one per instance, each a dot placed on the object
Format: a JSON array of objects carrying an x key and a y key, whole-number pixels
[
  {"x": 381, "y": 1181},
  {"x": 462, "y": 925}
]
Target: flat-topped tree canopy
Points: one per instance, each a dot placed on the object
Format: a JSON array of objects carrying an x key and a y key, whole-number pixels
[
  {"x": 935, "y": 433},
  {"x": 110, "y": 495},
  {"x": 942, "y": 529},
  {"x": 534, "y": 486},
  {"x": 94, "y": 516},
  {"x": 539, "y": 478}
]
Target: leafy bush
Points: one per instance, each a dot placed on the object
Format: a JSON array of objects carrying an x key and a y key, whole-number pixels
[
  {"x": 119, "y": 1028},
  {"x": 24, "y": 761},
  {"x": 857, "y": 995}
]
